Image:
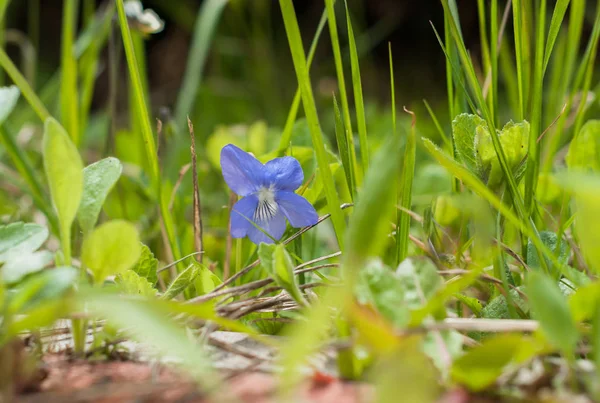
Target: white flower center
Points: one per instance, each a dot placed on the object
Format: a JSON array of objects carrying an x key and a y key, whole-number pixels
[{"x": 267, "y": 206}]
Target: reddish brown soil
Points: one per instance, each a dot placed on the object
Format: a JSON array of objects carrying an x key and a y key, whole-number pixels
[{"x": 125, "y": 381}]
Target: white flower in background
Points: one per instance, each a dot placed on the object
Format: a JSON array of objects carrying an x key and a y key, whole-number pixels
[{"x": 145, "y": 21}]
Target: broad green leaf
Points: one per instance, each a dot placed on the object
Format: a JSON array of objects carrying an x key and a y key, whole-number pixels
[
  {"x": 550, "y": 307},
  {"x": 206, "y": 281},
  {"x": 278, "y": 264},
  {"x": 148, "y": 322},
  {"x": 20, "y": 266},
  {"x": 584, "y": 150},
  {"x": 131, "y": 283},
  {"x": 482, "y": 365},
  {"x": 369, "y": 224},
  {"x": 8, "y": 100},
  {"x": 182, "y": 281},
  {"x": 20, "y": 238},
  {"x": 64, "y": 171},
  {"x": 586, "y": 188},
  {"x": 406, "y": 374},
  {"x": 584, "y": 301},
  {"x": 514, "y": 141},
  {"x": 111, "y": 249},
  {"x": 39, "y": 316},
  {"x": 438, "y": 344},
  {"x": 464, "y": 128},
  {"x": 147, "y": 265},
  {"x": 41, "y": 288},
  {"x": 551, "y": 241},
  {"x": 497, "y": 308},
  {"x": 420, "y": 280},
  {"x": 98, "y": 180},
  {"x": 378, "y": 286}
]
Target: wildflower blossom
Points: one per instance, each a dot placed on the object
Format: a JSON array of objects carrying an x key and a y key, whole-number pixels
[{"x": 268, "y": 196}]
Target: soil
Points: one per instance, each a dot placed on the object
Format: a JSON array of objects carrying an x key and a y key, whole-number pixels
[{"x": 68, "y": 380}]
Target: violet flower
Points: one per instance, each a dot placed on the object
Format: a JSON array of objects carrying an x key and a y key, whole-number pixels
[{"x": 268, "y": 196}]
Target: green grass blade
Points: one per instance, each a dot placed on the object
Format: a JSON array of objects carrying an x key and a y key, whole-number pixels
[
  {"x": 146, "y": 130},
  {"x": 310, "y": 110},
  {"x": 521, "y": 64},
  {"x": 206, "y": 23},
  {"x": 339, "y": 68},
  {"x": 476, "y": 88},
  {"x": 533, "y": 162},
  {"x": 408, "y": 173},
  {"x": 286, "y": 134},
  {"x": 576, "y": 19},
  {"x": 69, "y": 99},
  {"x": 586, "y": 71},
  {"x": 482, "y": 190},
  {"x": 25, "y": 168},
  {"x": 20, "y": 81},
  {"x": 358, "y": 95},
  {"x": 493, "y": 100},
  {"x": 342, "y": 144},
  {"x": 560, "y": 9}
]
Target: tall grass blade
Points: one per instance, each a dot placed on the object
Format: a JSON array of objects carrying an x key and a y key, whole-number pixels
[
  {"x": 521, "y": 64},
  {"x": 339, "y": 68},
  {"x": 286, "y": 134},
  {"x": 533, "y": 162},
  {"x": 560, "y": 9},
  {"x": 476, "y": 88},
  {"x": 69, "y": 99},
  {"x": 358, "y": 95},
  {"x": 342, "y": 144},
  {"x": 204, "y": 29},
  {"x": 146, "y": 130},
  {"x": 310, "y": 110},
  {"x": 408, "y": 173},
  {"x": 20, "y": 81}
]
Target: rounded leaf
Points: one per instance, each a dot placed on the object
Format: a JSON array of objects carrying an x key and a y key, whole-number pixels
[{"x": 111, "y": 249}]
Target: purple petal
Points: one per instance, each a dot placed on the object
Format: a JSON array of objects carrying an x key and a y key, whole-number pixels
[
  {"x": 274, "y": 227},
  {"x": 299, "y": 212},
  {"x": 285, "y": 173},
  {"x": 243, "y": 173},
  {"x": 241, "y": 216}
]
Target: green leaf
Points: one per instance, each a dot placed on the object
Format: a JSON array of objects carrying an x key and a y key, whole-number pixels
[
  {"x": 369, "y": 224},
  {"x": 464, "y": 128},
  {"x": 98, "y": 180},
  {"x": 41, "y": 288},
  {"x": 420, "y": 281},
  {"x": 550, "y": 307},
  {"x": 584, "y": 150},
  {"x": 8, "y": 100},
  {"x": 584, "y": 301},
  {"x": 19, "y": 238},
  {"x": 182, "y": 281},
  {"x": 497, "y": 308},
  {"x": 148, "y": 322},
  {"x": 472, "y": 303},
  {"x": 131, "y": 283},
  {"x": 206, "y": 281},
  {"x": 514, "y": 141},
  {"x": 278, "y": 264},
  {"x": 482, "y": 365},
  {"x": 377, "y": 285},
  {"x": 551, "y": 241},
  {"x": 64, "y": 171},
  {"x": 20, "y": 266},
  {"x": 111, "y": 249},
  {"x": 147, "y": 265}
]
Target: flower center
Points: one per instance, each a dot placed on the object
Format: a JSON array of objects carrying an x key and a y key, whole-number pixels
[{"x": 267, "y": 207}]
